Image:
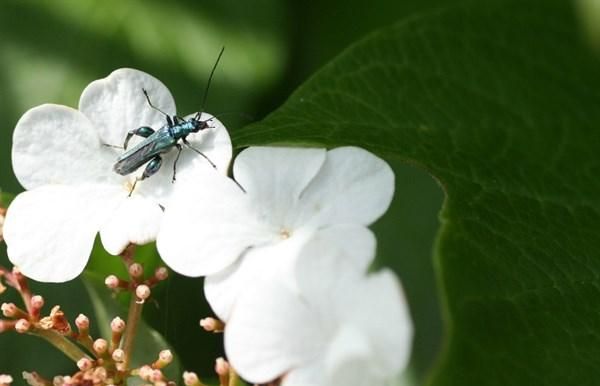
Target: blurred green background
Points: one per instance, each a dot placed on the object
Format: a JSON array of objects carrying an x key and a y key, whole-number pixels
[{"x": 50, "y": 50}]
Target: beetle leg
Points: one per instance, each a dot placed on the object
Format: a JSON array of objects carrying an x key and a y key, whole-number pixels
[
  {"x": 143, "y": 131},
  {"x": 179, "y": 148},
  {"x": 185, "y": 141},
  {"x": 151, "y": 168}
]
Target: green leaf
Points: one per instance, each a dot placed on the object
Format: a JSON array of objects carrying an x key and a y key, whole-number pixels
[
  {"x": 148, "y": 342},
  {"x": 500, "y": 102},
  {"x": 5, "y": 199}
]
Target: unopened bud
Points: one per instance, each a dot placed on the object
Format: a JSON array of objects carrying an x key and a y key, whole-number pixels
[
  {"x": 22, "y": 326},
  {"x": 99, "y": 374},
  {"x": 117, "y": 325},
  {"x": 112, "y": 281},
  {"x": 84, "y": 364},
  {"x": 156, "y": 375},
  {"x": 145, "y": 372},
  {"x": 161, "y": 273},
  {"x": 37, "y": 302},
  {"x": 190, "y": 378},
  {"x": 9, "y": 310},
  {"x": 166, "y": 356},
  {"x": 100, "y": 346},
  {"x": 221, "y": 366},
  {"x": 143, "y": 292},
  {"x": 118, "y": 355},
  {"x": 222, "y": 369},
  {"x": 82, "y": 322},
  {"x": 212, "y": 325},
  {"x": 136, "y": 270},
  {"x": 5, "y": 380}
]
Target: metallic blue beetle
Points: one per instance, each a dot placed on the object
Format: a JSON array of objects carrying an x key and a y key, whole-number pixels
[
  {"x": 163, "y": 140},
  {"x": 157, "y": 142}
]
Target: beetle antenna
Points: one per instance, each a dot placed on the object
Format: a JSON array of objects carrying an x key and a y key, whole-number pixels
[
  {"x": 208, "y": 83},
  {"x": 154, "y": 107}
]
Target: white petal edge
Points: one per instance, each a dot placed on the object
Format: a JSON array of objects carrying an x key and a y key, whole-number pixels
[
  {"x": 271, "y": 331},
  {"x": 134, "y": 220},
  {"x": 50, "y": 231},
  {"x": 275, "y": 177},
  {"x": 349, "y": 359},
  {"x": 54, "y": 144},
  {"x": 352, "y": 186},
  {"x": 308, "y": 374},
  {"x": 274, "y": 261},
  {"x": 116, "y": 104},
  {"x": 391, "y": 333},
  {"x": 208, "y": 225}
]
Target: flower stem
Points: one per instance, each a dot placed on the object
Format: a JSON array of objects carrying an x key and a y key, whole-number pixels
[
  {"x": 135, "y": 313},
  {"x": 234, "y": 379},
  {"x": 62, "y": 343}
]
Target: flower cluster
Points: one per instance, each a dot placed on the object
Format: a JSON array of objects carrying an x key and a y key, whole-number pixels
[{"x": 283, "y": 242}]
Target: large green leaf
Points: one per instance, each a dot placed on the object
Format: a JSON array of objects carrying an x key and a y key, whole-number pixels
[{"x": 500, "y": 101}]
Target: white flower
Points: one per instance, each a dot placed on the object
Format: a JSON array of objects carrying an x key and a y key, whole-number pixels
[
  {"x": 333, "y": 325},
  {"x": 59, "y": 156},
  {"x": 236, "y": 233}
]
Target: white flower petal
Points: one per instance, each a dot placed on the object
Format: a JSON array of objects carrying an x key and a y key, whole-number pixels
[
  {"x": 271, "y": 331},
  {"x": 213, "y": 142},
  {"x": 391, "y": 333},
  {"x": 55, "y": 144},
  {"x": 262, "y": 263},
  {"x": 50, "y": 231},
  {"x": 353, "y": 186},
  {"x": 116, "y": 104},
  {"x": 275, "y": 177},
  {"x": 135, "y": 220},
  {"x": 208, "y": 224},
  {"x": 354, "y": 245},
  {"x": 308, "y": 374},
  {"x": 348, "y": 358},
  {"x": 373, "y": 303}
]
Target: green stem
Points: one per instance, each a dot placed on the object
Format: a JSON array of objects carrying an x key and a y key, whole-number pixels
[
  {"x": 135, "y": 313},
  {"x": 62, "y": 343}
]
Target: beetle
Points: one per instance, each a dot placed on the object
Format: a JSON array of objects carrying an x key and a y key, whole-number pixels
[{"x": 163, "y": 140}]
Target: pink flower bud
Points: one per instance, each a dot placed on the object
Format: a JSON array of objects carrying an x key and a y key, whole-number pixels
[
  {"x": 212, "y": 325},
  {"x": 82, "y": 322},
  {"x": 84, "y": 364},
  {"x": 221, "y": 366},
  {"x": 118, "y": 355},
  {"x": 111, "y": 281},
  {"x": 100, "y": 374},
  {"x": 9, "y": 310},
  {"x": 37, "y": 301},
  {"x": 22, "y": 326},
  {"x": 156, "y": 375},
  {"x": 166, "y": 356},
  {"x": 100, "y": 346},
  {"x": 143, "y": 292},
  {"x": 117, "y": 325},
  {"x": 161, "y": 273},
  {"x": 136, "y": 270},
  {"x": 190, "y": 378},
  {"x": 145, "y": 372}
]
